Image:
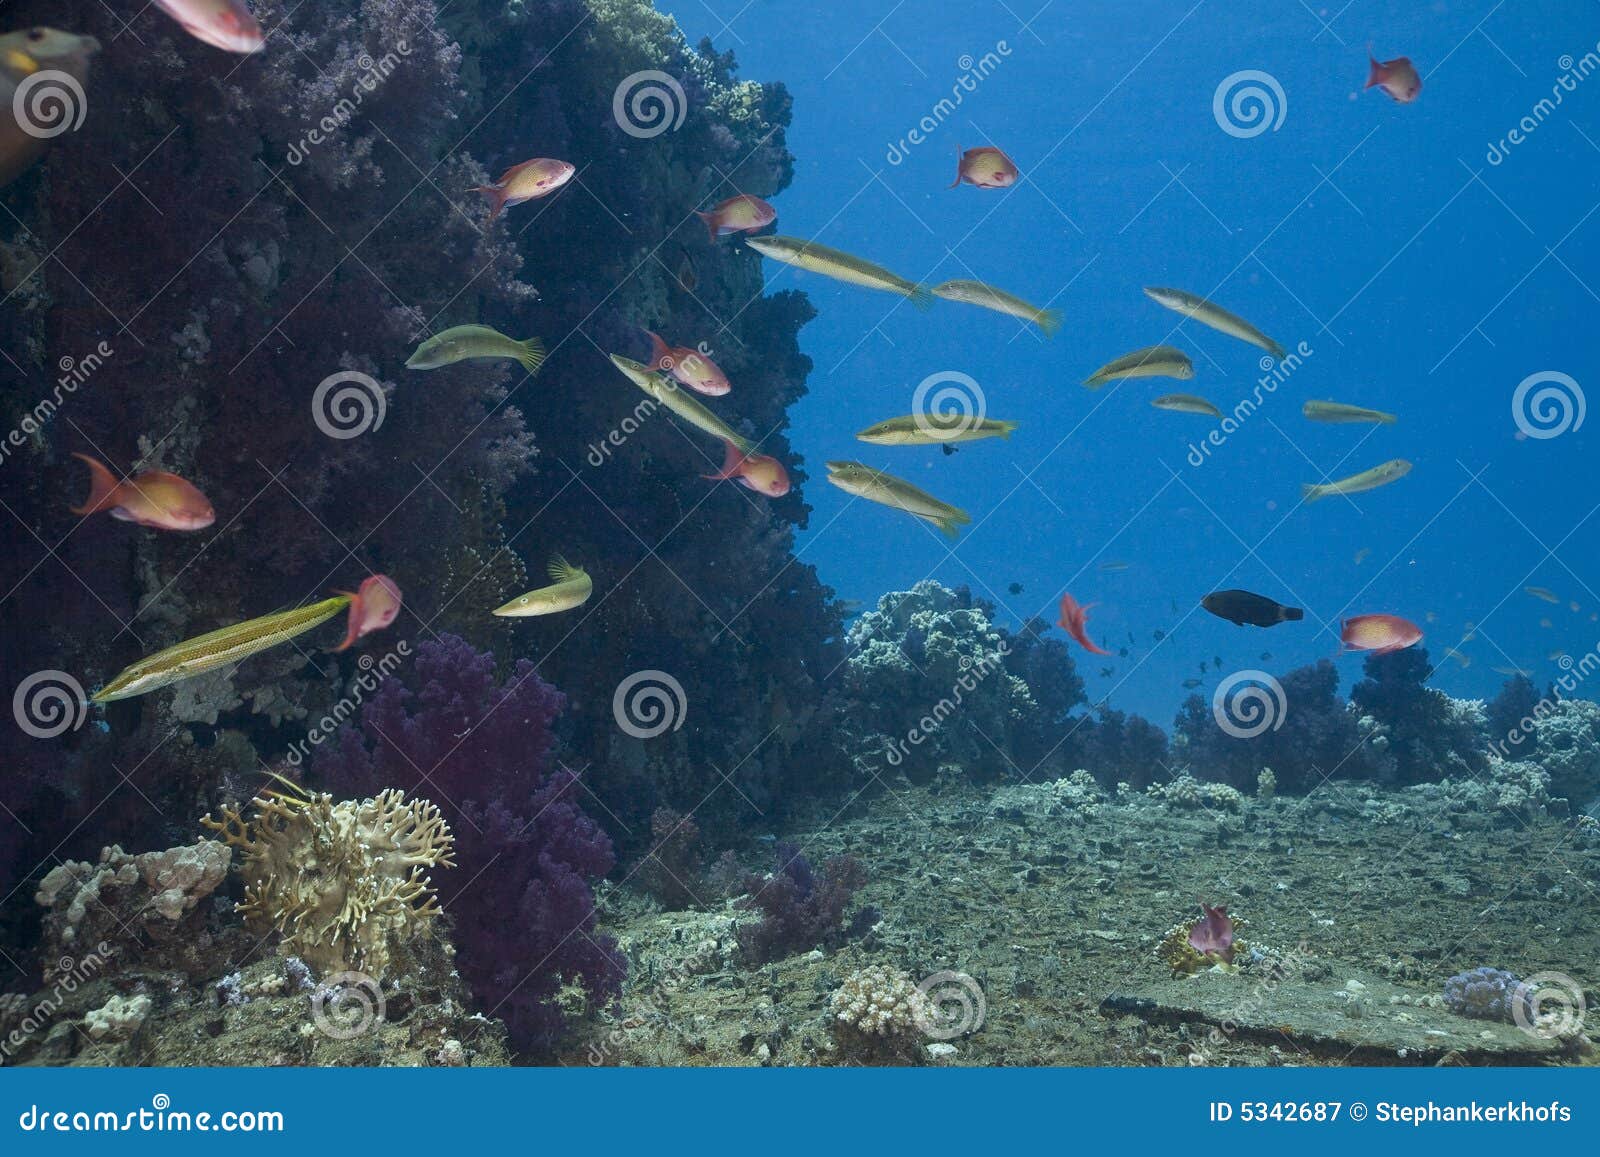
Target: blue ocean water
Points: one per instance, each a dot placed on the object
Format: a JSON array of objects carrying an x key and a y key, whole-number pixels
[{"x": 1424, "y": 258}]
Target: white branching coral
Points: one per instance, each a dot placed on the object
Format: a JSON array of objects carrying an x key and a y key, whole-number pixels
[
  {"x": 344, "y": 883},
  {"x": 879, "y": 1014}
]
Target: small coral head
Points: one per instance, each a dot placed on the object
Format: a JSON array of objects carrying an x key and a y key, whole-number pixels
[{"x": 1212, "y": 934}]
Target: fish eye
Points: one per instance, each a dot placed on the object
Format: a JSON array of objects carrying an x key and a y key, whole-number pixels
[{"x": 35, "y": 34}]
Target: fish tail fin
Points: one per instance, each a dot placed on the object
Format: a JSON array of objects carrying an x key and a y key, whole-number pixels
[
  {"x": 1049, "y": 320},
  {"x": 1386, "y": 419},
  {"x": 1006, "y": 428},
  {"x": 711, "y": 222},
  {"x": 1291, "y": 614},
  {"x": 1311, "y": 491},
  {"x": 732, "y": 457},
  {"x": 957, "y": 181},
  {"x": 495, "y": 195},
  {"x": 560, "y": 569},
  {"x": 921, "y": 296},
  {"x": 1375, "y": 74},
  {"x": 532, "y": 355},
  {"x": 102, "y": 485},
  {"x": 952, "y": 523},
  {"x": 660, "y": 354}
]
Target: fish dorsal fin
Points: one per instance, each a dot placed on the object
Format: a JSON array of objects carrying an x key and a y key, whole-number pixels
[{"x": 561, "y": 570}]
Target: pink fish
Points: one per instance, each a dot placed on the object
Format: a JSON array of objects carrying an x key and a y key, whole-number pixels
[
  {"x": 224, "y": 24},
  {"x": 1397, "y": 77},
  {"x": 691, "y": 367},
  {"x": 525, "y": 182},
  {"x": 740, "y": 214},
  {"x": 1075, "y": 621},
  {"x": 1212, "y": 934},
  {"x": 1380, "y": 634},
  {"x": 986, "y": 167},
  {"x": 758, "y": 472},
  {"x": 155, "y": 499},
  {"x": 372, "y": 608}
]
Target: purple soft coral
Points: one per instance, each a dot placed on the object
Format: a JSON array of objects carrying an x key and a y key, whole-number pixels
[
  {"x": 1212, "y": 934},
  {"x": 521, "y": 899}
]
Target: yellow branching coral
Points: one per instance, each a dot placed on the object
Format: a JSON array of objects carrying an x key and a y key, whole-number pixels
[{"x": 344, "y": 883}]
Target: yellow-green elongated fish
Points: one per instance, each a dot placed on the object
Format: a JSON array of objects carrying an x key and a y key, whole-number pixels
[
  {"x": 674, "y": 397},
  {"x": 1208, "y": 313},
  {"x": 887, "y": 490},
  {"x": 1186, "y": 404},
  {"x": 1339, "y": 412},
  {"x": 930, "y": 428},
  {"x": 217, "y": 649},
  {"x": 990, "y": 297},
  {"x": 1390, "y": 471},
  {"x": 461, "y": 342},
  {"x": 1155, "y": 361},
  {"x": 839, "y": 265},
  {"x": 572, "y": 588}
]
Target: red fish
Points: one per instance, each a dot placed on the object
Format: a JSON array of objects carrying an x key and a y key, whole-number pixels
[
  {"x": 740, "y": 214},
  {"x": 1212, "y": 934},
  {"x": 758, "y": 472},
  {"x": 224, "y": 24},
  {"x": 155, "y": 498},
  {"x": 1074, "y": 620},
  {"x": 1397, "y": 77},
  {"x": 372, "y": 608},
  {"x": 986, "y": 167},
  {"x": 536, "y": 178},
  {"x": 1379, "y": 634},
  {"x": 691, "y": 367}
]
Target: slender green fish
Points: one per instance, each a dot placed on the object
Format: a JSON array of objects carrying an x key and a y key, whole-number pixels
[
  {"x": 1186, "y": 404},
  {"x": 1156, "y": 361},
  {"x": 927, "y": 429},
  {"x": 572, "y": 588},
  {"x": 1391, "y": 471},
  {"x": 991, "y": 297},
  {"x": 1208, "y": 313},
  {"x": 670, "y": 394},
  {"x": 461, "y": 342},
  {"x": 1339, "y": 412},
  {"x": 217, "y": 649},
  {"x": 841, "y": 266},
  {"x": 887, "y": 490}
]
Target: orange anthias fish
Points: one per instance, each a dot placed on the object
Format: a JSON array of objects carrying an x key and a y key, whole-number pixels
[
  {"x": 372, "y": 608},
  {"x": 986, "y": 167},
  {"x": 691, "y": 367},
  {"x": 525, "y": 182},
  {"x": 1074, "y": 621},
  {"x": 740, "y": 214},
  {"x": 758, "y": 472},
  {"x": 224, "y": 24},
  {"x": 1397, "y": 77},
  {"x": 1379, "y": 634},
  {"x": 155, "y": 498}
]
